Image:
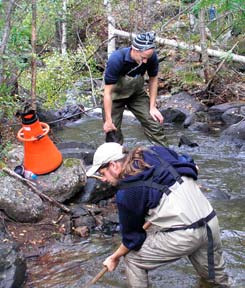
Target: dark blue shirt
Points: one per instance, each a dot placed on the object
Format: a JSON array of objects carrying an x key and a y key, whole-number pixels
[
  {"x": 133, "y": 203},
  {"x": 120, "y": 64}
]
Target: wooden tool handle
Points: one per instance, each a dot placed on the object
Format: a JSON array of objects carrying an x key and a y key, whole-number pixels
[{"x": 99, "y": 275}]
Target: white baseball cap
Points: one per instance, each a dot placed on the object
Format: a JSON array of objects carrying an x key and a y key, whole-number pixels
[{"x": 105, "y": 153}]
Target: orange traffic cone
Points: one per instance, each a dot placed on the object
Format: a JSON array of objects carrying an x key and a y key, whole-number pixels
[{"x": 40, "y": 154}]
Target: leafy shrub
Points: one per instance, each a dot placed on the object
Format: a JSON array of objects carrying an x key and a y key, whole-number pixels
[
  {"x": 7, "y": 102},
  {"x": 58, "y": 74}
]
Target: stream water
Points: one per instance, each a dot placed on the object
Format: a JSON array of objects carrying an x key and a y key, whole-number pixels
[{"x": 71, "y": 263}]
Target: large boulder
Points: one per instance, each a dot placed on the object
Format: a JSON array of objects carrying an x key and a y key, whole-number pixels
[
  {"x": 233, "y": 115},
  {"x": 65, "y": 182},
  {"x": 180, "y": 108},
  {"x": 228, "y": 113},
  {"x": 235, "y": 133},
  {"x": 75, "y": 149},
  {"x": 18, "y": 201},
  {"x": 95, "y": 191}
]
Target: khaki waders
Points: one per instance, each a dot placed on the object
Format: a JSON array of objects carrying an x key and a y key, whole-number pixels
[
  {"x": 129, "y": 93},
  {"x": 162, "y": 247}
]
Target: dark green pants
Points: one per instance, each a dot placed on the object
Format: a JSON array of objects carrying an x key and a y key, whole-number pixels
[{"x": 131, "y": 94}]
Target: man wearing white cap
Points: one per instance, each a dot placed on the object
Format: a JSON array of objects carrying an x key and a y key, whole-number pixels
[
  {"x": 124, "y": 88},
  {"x": 157, "y": 187}
]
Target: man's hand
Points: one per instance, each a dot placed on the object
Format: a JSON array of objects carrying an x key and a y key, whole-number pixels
[
  {"x": 156, "y": 115},
  {"x": 111, "y": 263},
  {"x": 109, "y": 126}
]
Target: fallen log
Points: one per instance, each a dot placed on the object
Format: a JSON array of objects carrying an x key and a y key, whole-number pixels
[
  {"x": 33, "y": 187},
  {"x": 182, "y": 45}
]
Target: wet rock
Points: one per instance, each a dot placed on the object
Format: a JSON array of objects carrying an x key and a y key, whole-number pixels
[
  {"x": 60, "y": 117},
  {"x": 215, "y": 112},
  {"x": 21, "y": 204},
  {"x": 199, "y": 126},
  {"x": 189, "y": 120},
  {"x": 71, "y": 112},
  {"x": 235, "y": 133},
  {"x": 77, "y": 211},
  {"x": 75, "y": 149},
  {"x": 180, "y": 107},
  {"x": 242, "y": 152},
  {"x": 173, "y": 115},
  {"x": 18, "y": 201},
  {"x": 186, "y": 141},
  {"x": 16, "y": 155},
  {"x": 12, "y": 266},
  {"x": 83, "y": 217},
  {"x": 47, "y": 116},
  {"x": 233, "y": 115},
  {"x": 2, "y": 231},
  {"x": 66, "y": 181},
  {"x": 95, "y": 190},
  {"x": 88, "y": 221}
]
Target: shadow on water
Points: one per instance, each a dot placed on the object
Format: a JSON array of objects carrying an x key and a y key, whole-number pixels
[{"x": 72, "y": 264}]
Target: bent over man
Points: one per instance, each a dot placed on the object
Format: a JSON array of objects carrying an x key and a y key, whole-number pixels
[
  {"x": 124, "y": 87},
  {"x": 158, "y": 187}
]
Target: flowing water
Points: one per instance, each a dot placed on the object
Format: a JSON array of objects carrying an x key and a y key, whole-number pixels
[{"x": 72, "y": 264}]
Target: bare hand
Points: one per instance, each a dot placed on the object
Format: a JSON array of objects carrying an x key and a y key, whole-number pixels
[
  {"x": 111, "y": 263},
  {"x": 109, "y": 126},
  {"x": 156, "y": 115}
]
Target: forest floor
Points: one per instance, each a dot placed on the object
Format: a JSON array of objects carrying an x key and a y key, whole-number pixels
[{"x": 33, "y": 238}]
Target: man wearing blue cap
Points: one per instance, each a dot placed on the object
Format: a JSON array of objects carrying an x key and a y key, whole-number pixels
[{"x": 124, "y": 88}]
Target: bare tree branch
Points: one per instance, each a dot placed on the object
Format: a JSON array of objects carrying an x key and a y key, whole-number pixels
[
  {"x": 176, "y": 16},
  {"x": 33, "y": 60},
  {"x": 7, "y": 27},
  {"x": 5, "y": 37},
  {"x": 87, "y": 65}
]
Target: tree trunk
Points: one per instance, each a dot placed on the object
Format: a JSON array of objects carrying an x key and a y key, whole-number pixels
[
  {"x": 64, "y": 29},
  {"x": 185, "y": 46},
  {"x": 111, "y": 27},
  {"x": 6, "y": 30},
  {"x": 203, "y": 44},
  {"x": 33, "y": 60}
]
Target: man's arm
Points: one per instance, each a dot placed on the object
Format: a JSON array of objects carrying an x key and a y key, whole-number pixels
[
  {"x": 112, "y": 261},
  {"x": 147, "y": 225},
  {"x": 155, "y": 113},
  {"x": 108, "y": 125}
]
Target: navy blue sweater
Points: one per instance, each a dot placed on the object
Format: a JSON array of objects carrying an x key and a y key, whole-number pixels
[
  {"x": 120, "y": 64},
  {"x": 133, "y": 203}
]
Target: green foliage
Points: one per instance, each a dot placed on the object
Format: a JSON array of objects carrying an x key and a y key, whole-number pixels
[
  {"x": 221, "y": 5},
  {"x": 59, "y": 74},
  {"x": 187, "y": 1},
  {"x": 20, "y": 39},
  {"x": 7, "y": 102},
  {"x": 189, "y": 77},
  {"x": 4, "y": 149}
]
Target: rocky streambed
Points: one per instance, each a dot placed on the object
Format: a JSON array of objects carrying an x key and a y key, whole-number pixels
[{"x": 44, "y": 246}]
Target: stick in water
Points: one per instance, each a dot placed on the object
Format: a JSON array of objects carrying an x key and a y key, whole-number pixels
[{"x": 97, "y": 277}]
